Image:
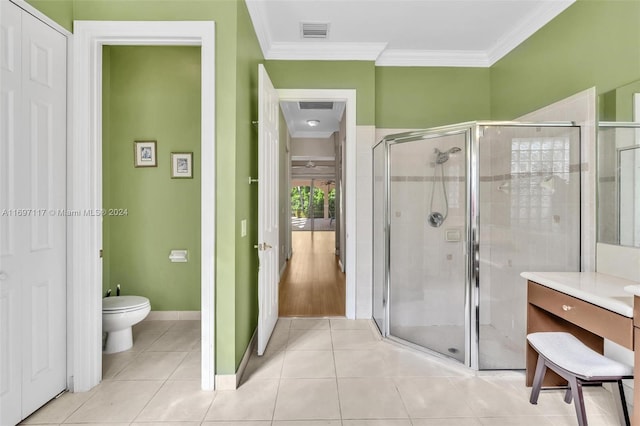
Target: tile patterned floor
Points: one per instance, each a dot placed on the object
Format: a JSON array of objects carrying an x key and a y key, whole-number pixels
[{"x": 316, "y": 372}]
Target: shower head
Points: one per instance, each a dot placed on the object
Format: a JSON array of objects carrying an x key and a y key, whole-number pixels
[{"x": 443, "y": 157}]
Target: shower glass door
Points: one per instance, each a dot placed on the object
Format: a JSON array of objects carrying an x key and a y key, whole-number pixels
[
  {"x": 529, "y": 194},
  {"x": 428, "y": 292},
  {"x": 379, "y": 238}
]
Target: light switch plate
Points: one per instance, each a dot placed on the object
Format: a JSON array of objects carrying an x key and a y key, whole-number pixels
[{"x": 243, "y": 228}]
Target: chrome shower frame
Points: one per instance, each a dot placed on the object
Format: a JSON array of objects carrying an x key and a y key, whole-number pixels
[{"x": 473, "y": 131}]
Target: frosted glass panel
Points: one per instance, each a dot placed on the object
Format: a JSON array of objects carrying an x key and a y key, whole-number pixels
[
  {"x": 379, "y": 240},
  {"x": 529, "y": 221},
  {"x": 427, "y": 183}
]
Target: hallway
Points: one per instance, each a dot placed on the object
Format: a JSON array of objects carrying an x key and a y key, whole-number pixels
[{"x": 312, "y": 284}]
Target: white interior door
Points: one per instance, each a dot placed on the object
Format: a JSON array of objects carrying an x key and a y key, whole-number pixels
[
  {"x": 32, "y": 223},
  {"x": 10, "y": 331},
  {"x": 268, "y": 152}
]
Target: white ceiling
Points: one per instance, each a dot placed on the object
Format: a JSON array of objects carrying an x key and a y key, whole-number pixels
[
  {"x": 297, "y": 120},
  {"x": 401, "y": 32}
]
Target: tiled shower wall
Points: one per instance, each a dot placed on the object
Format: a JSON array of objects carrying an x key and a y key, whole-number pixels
[{"x": 529, "y": 217}]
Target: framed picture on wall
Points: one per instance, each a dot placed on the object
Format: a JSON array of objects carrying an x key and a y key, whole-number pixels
[
  {"x": 144, "y": 154},
  {"x": 181, "y": 165}
]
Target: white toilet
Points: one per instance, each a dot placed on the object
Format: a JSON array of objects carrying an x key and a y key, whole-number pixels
[{"x": 119, "y": 314}]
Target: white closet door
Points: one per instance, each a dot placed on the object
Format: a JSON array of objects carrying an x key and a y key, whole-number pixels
[
  {"x": 33, "y": 231},
  {"x": 10, "y": 281}
]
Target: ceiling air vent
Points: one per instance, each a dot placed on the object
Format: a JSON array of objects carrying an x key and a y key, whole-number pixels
[
  {"x": 314, "y": 30},
  {"x": 316, "y": 105}
]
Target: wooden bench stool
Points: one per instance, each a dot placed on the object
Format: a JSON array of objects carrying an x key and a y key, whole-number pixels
[{"x": 578, "y": 364}]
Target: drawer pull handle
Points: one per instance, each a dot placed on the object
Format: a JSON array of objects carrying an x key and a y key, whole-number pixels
[{"x": 567, "y": 307}]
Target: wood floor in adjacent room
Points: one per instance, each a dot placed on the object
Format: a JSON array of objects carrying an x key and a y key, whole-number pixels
[{"x": 312, "y": 284}]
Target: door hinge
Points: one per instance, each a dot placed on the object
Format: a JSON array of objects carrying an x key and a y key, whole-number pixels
[
  {"x": 262, "y": 246},
  {"x": 100, "y": 253}
]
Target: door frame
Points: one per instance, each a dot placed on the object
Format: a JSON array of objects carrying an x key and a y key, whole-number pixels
[
  {"x": 85, "y": 185},
  {"x": 348, "y": 96}
]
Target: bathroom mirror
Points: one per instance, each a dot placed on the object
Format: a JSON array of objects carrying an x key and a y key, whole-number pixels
[
  {"x": 618, "y": 159},
  {"x": 619, "y": 183}
]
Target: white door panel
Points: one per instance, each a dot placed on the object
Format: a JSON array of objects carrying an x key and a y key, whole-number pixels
[
  {"x": 10, "y": 331},
  {"x": 32, "y": 240},
  {"x": 268, "y": 274},
  {"x": 44, "y": 304}
]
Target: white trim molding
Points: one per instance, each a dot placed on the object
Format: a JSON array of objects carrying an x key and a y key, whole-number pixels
[
  {"x": 378, "y": 52},
  {"x": 348, "y": 96},
  {"x": 433, "y": 58},
  {"x": 547, "y": 11},
  {"x": 85, "y": 184},
  {"x": 325, "y": 51}
]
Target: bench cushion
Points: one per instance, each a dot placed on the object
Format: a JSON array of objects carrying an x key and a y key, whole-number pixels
[{"x": 569, "y": 353}]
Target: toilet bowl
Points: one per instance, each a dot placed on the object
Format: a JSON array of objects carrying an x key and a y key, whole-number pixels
[{"x": 119, "y": 314}]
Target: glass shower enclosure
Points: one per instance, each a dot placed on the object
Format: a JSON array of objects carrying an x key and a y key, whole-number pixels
[{"x": 458, "y": 213}]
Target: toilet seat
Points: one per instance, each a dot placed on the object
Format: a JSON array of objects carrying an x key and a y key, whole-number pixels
[{"x": 123, "y": 304}]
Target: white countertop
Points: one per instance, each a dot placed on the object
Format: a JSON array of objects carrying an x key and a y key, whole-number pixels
[{"x": 609, "y": 292}]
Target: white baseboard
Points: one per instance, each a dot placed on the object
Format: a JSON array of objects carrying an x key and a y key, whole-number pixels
[
  {"x": 173, "y": 316},
  {"x": 232, "y": 381}
]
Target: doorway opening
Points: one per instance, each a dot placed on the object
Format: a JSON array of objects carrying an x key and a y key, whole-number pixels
[
  {"x": 85, "y": 162},
  {"x": 313, "y": 282}
]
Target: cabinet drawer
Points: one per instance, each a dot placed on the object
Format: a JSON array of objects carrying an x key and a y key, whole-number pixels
[{"x": 597, "y": 320}]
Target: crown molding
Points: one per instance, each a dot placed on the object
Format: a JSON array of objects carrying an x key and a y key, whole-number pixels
[
  {"x": 325, "y": 51},
  {"x": 433, "y": 58},
  {"x": 257, "y": 13},
  {"x": 547, "y": 12}
]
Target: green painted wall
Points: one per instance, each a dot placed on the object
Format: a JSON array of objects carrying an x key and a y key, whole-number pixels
[
  {"x": 236, "y": 276},
  {"x": 249, "y": 55},
  {"x": 592, "y": 43},
  {"x": 358, "y": 75},
  {"x": 420, "y": 97},
  {"x": 60, "y": 11},
  {"x": 162, "y": 213}
]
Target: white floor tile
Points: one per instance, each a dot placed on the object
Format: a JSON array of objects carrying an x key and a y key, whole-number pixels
[
  {"x": 268, "y": 366},
  {"x": 515, "y": 421},
  {"x": 354, "y": 340},
  {"x": 386, "y": 422},
  {"x": 250, "y": 423},
  {"x": 433, "y": 397},
  {"x": 370, "y": 398},
  {"x": 58, "y": 410},
  {"x": 116, "y": 401},
  {"x": 309, "y": 340},
  {"x": 254, "y": 400},
  {"x": 186, "y": 325},
  {"x": 307, "y": 399},
  {"x": 310, "y": 324},
  {"x": 152, "y": 366},
  {"x": 182, "y": 400},
  {"x": 460, "y": 421},
  {"x": 307, "y": 423},
  {"x": 190, "y": 368},
  {"x": 308, "y": 364},
  {"x": 113, "y": 364},
  {"x": 156, "y": 326},
  {"x": 347, "y": 324},
  {"x": 174, "y": 341}
]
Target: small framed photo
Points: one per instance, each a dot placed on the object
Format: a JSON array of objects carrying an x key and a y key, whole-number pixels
[
  {"x": 181, "y": 165},
  {"x": 144, "y": 154}
]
